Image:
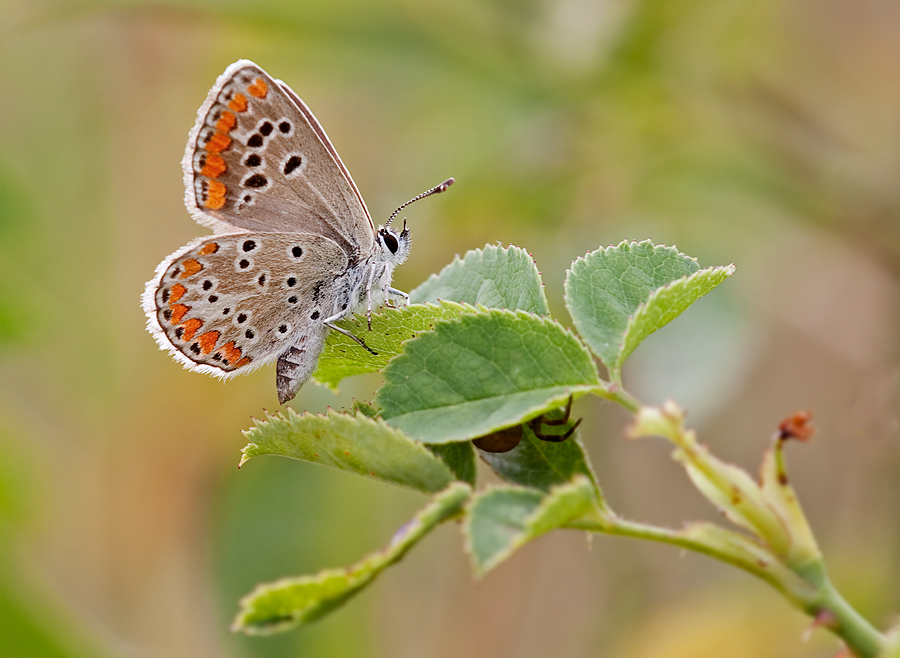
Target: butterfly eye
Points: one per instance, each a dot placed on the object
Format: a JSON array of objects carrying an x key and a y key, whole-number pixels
[{"x": 390, "y": 242}]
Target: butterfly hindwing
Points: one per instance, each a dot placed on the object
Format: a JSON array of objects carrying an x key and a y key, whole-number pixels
[{"x": 230, "y": 303}]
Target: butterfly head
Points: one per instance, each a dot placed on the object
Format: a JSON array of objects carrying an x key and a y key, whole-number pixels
[{"x": 394, "y": 246}]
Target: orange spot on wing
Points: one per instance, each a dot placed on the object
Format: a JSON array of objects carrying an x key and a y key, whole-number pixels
[
  {"x": 242, "y": 362},
  {"x": 214, "y": 166},
  {"x": 230, "y": 352},
  {"x": 226, "y": 123},
  {"x": 176, "y": 293},
  {"x": 215, "y": 195},
  {"x": 190, "y": 266},
  {"x": 209, "y": 248},
  {"x": 218, "y": 143},
  {"x": 191, "y": 327},
  {"x": 208, "y": 341},
  {"x": 238, "y": 103},
  {"x": 178, "y": 311},
  {"x": 258, "y": 88}
]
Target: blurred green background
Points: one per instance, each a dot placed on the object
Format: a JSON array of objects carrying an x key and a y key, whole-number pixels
[{"x": 760, "y": 132}]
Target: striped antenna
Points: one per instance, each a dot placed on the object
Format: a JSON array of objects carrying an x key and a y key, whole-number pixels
[{"x": 437, "y": 189}]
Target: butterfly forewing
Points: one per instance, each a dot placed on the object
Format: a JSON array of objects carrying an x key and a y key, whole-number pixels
[
  {"x": 320, "y": 132},
  {"x": 233, "y": 302},
  {"x": 256, "y": 161}
]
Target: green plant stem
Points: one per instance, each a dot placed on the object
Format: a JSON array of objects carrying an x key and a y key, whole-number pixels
[
  {"x": 806, "y": 586},
  {"x": 809, "y": 590},
  {"x": 615, "y": 393},
  {"x": 780, "y": 577},
  {"x": 832, "y": 611}
]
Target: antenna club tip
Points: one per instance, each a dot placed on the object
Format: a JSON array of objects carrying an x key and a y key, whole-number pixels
[{"x": 434, "y": 190}]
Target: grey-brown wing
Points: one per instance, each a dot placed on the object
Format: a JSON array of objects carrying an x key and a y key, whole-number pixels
[
  {"x": 255, "y": 161},
  {"x": 230, "y": 303}
]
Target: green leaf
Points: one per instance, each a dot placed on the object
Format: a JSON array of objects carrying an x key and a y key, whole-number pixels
[
  {"x": 460, "y": 457},
  {"x": 494, "y": 277},
  {"x": 289, "y": 602},
  {"x": 481, "y": 373},
  {"x": 364, "y": 408},
  {"x": 540, "y": 464},
  {"x": 617, "y": 295},
  {"x": 391, "y": 327},
  {"x": 667, "y": 303},
  {"x": 502, "y": 519},
  {"x": 358, "y": 444},
  {"x": 496, "y": 519}
]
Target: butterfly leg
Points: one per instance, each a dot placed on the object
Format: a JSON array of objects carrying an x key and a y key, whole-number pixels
[
  {"x": 369, "y": 298},
  {"x": 396, "y": 293},
  {"x": 329, "y": 322}
]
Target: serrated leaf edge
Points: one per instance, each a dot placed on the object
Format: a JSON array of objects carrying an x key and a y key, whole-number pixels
[
  {"x": 623, "y": 244},
  {"x": 633, "y": 319},
  {"x": 460, "y": 308},
  {"x": 535, "y": 410},
  {"x": 481, "y": 251},
  {"x": 329, "y": 415},
  {"x": 545, "y": 319},
  {"x": 582, "y": 261},
  {"x": 359, "y": 574},
  {"x": 500, "y": 556},
  {"x": 547, "y": 498}
]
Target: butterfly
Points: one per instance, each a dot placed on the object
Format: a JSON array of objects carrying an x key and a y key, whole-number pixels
[{"x": 294, "y": 248}]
